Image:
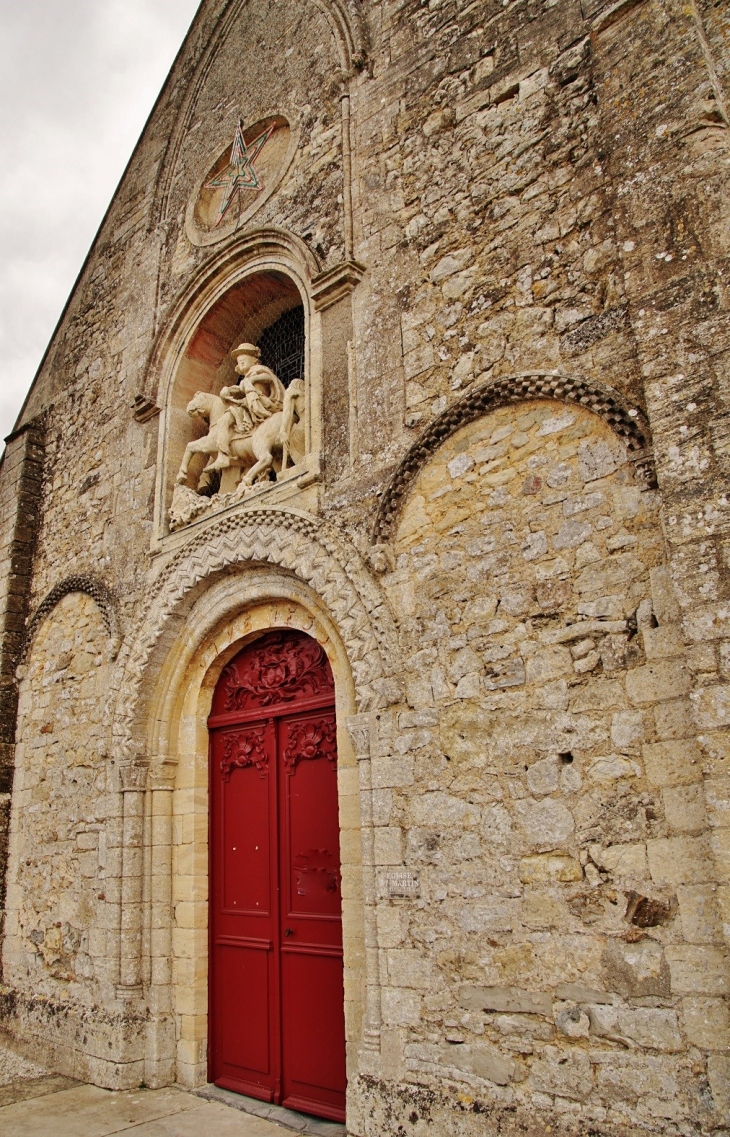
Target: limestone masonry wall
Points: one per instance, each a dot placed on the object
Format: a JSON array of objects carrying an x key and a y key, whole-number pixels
[{"x": 526, "y": 606}]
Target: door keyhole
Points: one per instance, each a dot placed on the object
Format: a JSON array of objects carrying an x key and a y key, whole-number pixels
[{"x": 288, "y": 931}]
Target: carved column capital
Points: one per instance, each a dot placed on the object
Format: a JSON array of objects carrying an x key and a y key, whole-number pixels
[
  {"x": 359, "y": 728},
  {"x": 133, "y": 776},
  {"x": 643, "y": 462},
  {"x": 162, "y": 774}
]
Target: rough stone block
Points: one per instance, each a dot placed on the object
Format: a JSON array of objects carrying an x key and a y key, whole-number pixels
[
  {"x": 672, "y": 763},
  {"x": 401, "y": 1006},
  {"x": 648, "y": 1027},
  {"x": 656, "y": 682},
  {"x": 663, "y": 642},
  {"x": 622, "y": 861},
  {"x": 546, "y": 823},
  {"x": 541, "y": 909},
  {"x": 712, "y": 707},
  {"x": 480, "y": 1059},
  {"x": 699, "y": 913},
  {"x": 499, "y": 915},
  {"x": 509, "y": 999},
  {"x": 679, "y": 860},
  {"x": 718, "y": 1073},
  {"x": 684, "y": 808},
  {"x": 548, "y": 664},
  {"x": 390, "y": 772},
  {"x": 620, "y": 1078},
  {"x": 388, "y": 848},
  {"x": 627, "y": 730},
  {"x": 720, "y": 845},
  {"x": 698, "y": 970},
  {"x": 407, "y": 967},
  {"x": 391, "y": 932},
  {"x": 717, "y": 797},
  {"x": 664, "y": 596},
  {"x": 550, "y": 868},
  {"x": 635, "y": 969},
  {"x": 707, "y": 1023},
  {"x": 543, "y": 777},
  {"x": 565, "y": 1073},
  {"x": 579, "y": 993}
]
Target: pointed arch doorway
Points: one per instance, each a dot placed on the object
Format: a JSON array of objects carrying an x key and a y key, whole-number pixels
[{"x": 276, "y": 998}]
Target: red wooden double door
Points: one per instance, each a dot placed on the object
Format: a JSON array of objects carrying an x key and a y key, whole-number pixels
[{"x": 276, "y": 987}]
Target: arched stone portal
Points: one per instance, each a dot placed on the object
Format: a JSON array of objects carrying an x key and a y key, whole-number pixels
[{"x": 241, "y": 577}]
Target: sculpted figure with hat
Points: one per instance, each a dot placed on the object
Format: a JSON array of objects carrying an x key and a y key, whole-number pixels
[{"x": 258, "y": 395}]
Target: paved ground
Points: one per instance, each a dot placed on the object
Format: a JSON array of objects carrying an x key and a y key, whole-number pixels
[{"x": 34, "y": 1103}]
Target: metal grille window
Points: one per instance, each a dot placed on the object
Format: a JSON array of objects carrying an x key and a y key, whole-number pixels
[{"x": 282, "y": 346}]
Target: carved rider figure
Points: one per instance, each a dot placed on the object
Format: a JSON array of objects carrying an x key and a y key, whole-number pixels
[{"x": 258, "y": 395}]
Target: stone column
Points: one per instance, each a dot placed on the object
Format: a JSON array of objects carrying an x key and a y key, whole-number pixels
[
  {"x": 347, "y": 173},
  {"x": 160, "y": 1043},
  {"x": 359, "y": 728},
  {"x": 133, "y": 777}
]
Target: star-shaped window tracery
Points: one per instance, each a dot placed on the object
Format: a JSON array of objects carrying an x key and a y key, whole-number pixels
[{"x": 241, "y": 172}]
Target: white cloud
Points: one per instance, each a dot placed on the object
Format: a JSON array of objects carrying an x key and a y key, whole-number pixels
[{"x": 77, "y": 81}]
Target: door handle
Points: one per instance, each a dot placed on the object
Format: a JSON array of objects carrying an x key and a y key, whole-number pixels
[{"x": 288, "y": 931}]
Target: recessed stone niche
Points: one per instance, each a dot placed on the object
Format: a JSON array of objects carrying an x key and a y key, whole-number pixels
[{"x": 241, "y": 315}]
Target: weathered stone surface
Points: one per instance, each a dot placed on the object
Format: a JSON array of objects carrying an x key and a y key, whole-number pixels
[
  {"x": 549, "y": 867},
  {"x": 707, "y": 1023},
  {"x": 506, "y": 225},
  {"x": 566, "y": 1075},
  {"x": 505, "y": 999},
  {"x": 636, "y": 969},
  {"x": 654, "y": 1029},
  {"x": 698, "y": 970},
  {"x": 484, "y": 1061}
]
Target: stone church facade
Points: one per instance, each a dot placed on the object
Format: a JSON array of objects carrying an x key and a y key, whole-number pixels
[{"x": 405, "y": 336}]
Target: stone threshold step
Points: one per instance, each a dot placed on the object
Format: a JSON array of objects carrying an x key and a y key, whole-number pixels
[{"x": 287, "y": 1118}]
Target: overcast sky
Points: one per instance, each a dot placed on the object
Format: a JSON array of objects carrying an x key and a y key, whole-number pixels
[{"x": 77, "y": 81}]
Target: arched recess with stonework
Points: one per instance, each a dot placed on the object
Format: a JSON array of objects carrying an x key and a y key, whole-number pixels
[
  {"x": 350, "y": 40},
  {"x": 627, "y": 422},
  {"x": 238, "y": 294},
  {"x": 94, "y": 588},
  {"x": 549, "y": 692},
  {"x": 57, "y": 861},
  {"x": 243, "y": 576}
]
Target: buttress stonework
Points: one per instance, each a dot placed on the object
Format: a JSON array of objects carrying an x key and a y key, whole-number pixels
[{"x": 365, "y": 581}]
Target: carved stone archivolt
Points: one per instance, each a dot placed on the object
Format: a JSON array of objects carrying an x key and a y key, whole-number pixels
[
  {"x": 94, "y": 588},
  {"x": 309, "y": 549},
  {"x": 628, "y": 422}
]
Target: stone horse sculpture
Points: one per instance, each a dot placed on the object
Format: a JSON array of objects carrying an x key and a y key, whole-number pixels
[{"x": 268, "y": 446}]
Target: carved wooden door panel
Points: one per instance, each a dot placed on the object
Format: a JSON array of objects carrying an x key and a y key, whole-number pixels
[{"x": 276, "y": 988}]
